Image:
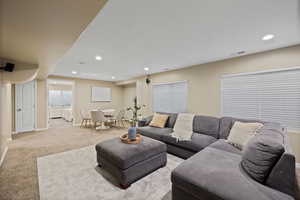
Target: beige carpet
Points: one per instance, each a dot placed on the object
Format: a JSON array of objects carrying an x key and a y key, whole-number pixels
[
  {"x": 59, "y": 123},
  {"x": 74, "y": 175},
  {"x": 18, "y": 174}
]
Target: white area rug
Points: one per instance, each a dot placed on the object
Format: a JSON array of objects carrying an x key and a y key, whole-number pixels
[{"x": 74, "y": 175}]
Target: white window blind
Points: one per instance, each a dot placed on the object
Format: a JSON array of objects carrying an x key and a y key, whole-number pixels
[
  {"x": 60, "y": 98},
  {"x": 270, "y": 96},
  {"x": 170, "y": 97}
]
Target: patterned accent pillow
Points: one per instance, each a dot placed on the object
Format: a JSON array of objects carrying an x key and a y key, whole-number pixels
[
  {"x": 159, "y": 120},
  {"x": 241, "y": 133}
]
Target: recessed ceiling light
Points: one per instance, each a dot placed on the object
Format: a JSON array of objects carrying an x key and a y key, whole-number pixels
[
  {"x": 98, "y": 58},
  {"x": 113, "y": 77},
  {"x": 74, "y": 72},
  {"x": 146, "y": 69},
  {"x": 268, "y": 37}
]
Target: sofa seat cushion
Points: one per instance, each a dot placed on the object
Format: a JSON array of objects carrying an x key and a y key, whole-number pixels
[
  {"x": 216, "y": 174},
  {"x": 221, "y": 144},
  {"x": 154, "y": 132},
  {"x": 197, "y": 142}
]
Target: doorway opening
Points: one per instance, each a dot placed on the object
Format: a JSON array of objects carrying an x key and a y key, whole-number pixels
[{"x": 60, "y": 103}]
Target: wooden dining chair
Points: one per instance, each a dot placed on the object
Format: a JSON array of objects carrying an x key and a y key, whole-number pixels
[
  {"x": 85, "y": 118},
  {"x": 120, "y": 118},
  {"x": 98, "y": 117}
]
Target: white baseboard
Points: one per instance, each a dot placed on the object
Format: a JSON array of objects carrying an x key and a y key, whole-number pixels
[
  {"x": 3, "y": 155},
  {"x": 5, "y": 151},
  {"x": 297, "y": 165},
  {"x": 41, "y": 129}
]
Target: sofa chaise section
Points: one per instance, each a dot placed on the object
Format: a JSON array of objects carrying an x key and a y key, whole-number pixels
[
  {"x": 217, "y": 171},
  {"x": 215, "y": 174}
]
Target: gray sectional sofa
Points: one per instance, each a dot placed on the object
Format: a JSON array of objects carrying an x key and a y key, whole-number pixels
[{"x": 216, "y": 170}]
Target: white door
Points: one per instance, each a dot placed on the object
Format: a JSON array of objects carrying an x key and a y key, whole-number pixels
[{"x": 25, "y": 106}]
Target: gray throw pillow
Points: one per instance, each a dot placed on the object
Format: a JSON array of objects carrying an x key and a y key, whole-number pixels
[{"x": 261, "y": 153}]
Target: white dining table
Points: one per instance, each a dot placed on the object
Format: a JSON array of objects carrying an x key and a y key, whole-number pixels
[{"x": 107, "y": 112}]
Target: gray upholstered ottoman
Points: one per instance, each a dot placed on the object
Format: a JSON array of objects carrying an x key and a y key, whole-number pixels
[{"x": 130, "y": 162}]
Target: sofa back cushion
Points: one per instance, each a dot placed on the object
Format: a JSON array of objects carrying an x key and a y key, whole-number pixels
[
  {"x": 262, "y": 153},
  {"x": 206, "y": 125}
]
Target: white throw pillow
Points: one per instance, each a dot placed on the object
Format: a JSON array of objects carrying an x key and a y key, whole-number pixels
[{"x": 241, "y": 133}]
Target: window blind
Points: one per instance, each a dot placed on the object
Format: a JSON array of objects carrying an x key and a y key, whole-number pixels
[
  {"x": 60, "y": 98},
  {"x": 170, "y": 97},
  {"x": 270, "y": 96}
]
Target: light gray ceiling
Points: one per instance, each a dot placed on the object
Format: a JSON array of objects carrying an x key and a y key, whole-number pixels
[{"x": 165, "y": 35}]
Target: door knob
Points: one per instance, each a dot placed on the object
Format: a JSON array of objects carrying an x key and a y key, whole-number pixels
[{"x": 19, "y": 109}]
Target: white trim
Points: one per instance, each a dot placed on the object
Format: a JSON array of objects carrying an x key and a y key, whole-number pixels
[
  {"x": 261, "y": 72},
  {"x": 221, "y": 98},
  {"x": 297, "y": 165},
  {"x": 3, "y": 155},
  {"x": 5, "y": 151},
  {"x": 35, "y": 104},
  {"x": 47, "y": 103},
  {"x": 41, "y": 129},
  {"x": 167, "y": 83},
  {"x": 77, "y": 124},
  {"x": 15, "y": 110}
]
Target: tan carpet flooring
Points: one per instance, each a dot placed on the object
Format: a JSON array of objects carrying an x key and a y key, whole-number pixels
[
  {"x": 59, "y": 123},
  {"x": 18, "y": 174}
]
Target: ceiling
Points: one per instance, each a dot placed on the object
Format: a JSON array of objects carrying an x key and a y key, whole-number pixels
[
  {"x": 133, "y": 34},
  {"x": 59, "y": 82},
  {"x": 166, "y": 35},
  {"x": 41, "y": 31}
]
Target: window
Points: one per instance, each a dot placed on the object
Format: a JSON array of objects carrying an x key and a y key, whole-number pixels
[
  {"x": 60, "y": 98},
  {"x": 170, "y": 97},
  {"x": 270, "y": 96}
]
